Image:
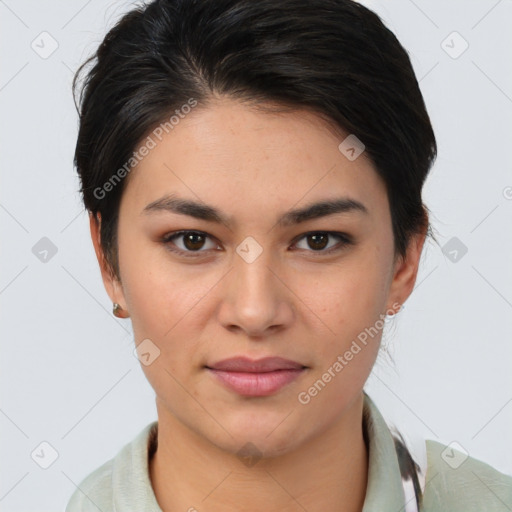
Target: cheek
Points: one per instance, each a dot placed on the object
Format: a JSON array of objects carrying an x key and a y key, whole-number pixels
[
  {"x": 159, "y": 294},
  {"x": 352, "y": 296},
  {"x": 167, "y": 305},
  {"x": 345, "y": 357}
]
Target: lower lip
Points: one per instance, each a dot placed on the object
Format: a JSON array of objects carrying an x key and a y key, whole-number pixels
[{"x": 256, "y": 384}]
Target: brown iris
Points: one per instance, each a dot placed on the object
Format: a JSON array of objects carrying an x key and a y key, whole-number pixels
[
  {"x": 319, "y": 240},
  {"x": 193, "y": 241}
]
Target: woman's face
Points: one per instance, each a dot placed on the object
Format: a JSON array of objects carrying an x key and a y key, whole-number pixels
[{"x": 261, "y": 283}]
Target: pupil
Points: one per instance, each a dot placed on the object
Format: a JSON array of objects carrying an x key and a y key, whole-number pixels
[
  {"x": 191, "y": 241},
  {"x": 317, "y": 243}
]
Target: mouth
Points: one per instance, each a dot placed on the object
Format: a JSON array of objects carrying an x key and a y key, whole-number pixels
[{"x": 262, "y": 377}]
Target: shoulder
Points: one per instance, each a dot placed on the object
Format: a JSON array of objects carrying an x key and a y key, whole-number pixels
[
  {"x": 122, "y": 482},
  {"x": 458, "y": 482},
  {"x": 94, "y": 491}
]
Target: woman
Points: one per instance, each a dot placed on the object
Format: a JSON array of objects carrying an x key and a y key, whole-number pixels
[{"x": 253, "y": 173}]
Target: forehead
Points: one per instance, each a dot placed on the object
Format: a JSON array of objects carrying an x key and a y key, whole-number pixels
[{"x": 233, "y": 155}]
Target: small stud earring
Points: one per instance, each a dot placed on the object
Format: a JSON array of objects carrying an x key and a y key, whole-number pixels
[{"x": 119, "y": 312}]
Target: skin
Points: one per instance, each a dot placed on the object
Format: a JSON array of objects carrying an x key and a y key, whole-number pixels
[{"x": 293, "y": 301}]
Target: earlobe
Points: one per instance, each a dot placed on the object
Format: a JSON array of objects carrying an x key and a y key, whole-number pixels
[{"x": 119, "y": 312}]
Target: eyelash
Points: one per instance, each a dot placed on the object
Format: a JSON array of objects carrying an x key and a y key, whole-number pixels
[{"x": 345, "y": 240}]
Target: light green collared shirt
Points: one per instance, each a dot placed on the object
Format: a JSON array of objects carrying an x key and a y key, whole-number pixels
[{"x": 451, "y": 481}]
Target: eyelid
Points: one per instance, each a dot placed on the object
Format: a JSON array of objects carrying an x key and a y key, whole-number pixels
[
  {"x": 345, "y": 240},
  {"x": 168, "y": 239}
]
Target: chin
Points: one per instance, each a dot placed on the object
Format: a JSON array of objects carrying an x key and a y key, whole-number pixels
[
  {"x": 267, "y": 435},
  {"x": 252, "y": 448}
]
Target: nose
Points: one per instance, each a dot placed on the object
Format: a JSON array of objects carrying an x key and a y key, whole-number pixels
[{"x": 256, "y": 300}]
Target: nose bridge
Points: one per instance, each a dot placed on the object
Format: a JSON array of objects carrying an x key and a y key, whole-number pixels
[
  {"x": 254, "y": 299},
  {"x": 254, "y": 285}
]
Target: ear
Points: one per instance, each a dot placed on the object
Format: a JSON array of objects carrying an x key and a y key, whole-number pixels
[
  {"x": 405, "y": 272},
  {"x": 110, "y": 281}
]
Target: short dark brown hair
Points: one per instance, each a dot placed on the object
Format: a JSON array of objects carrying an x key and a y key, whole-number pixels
[{"x": 333, "y": 57}]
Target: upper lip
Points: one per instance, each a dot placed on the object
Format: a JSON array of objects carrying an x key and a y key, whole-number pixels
[{"x": 266, "y": 364}]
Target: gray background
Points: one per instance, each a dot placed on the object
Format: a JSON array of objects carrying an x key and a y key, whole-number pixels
[{"x": 68, "y": 374}]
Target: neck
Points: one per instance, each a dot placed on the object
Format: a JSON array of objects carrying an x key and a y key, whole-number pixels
[{"x": 328, "y": 472}]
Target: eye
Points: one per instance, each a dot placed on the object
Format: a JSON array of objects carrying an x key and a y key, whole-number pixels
[
  {"x": 188, "y": 242},
  {"x": 319, "y": 241}
]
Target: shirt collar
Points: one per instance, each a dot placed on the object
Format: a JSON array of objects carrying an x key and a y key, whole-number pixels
[
  {"x": 384, "y": 490},
  {"x": 132, "y": 488},
  {"x": 131, "y": 483}
]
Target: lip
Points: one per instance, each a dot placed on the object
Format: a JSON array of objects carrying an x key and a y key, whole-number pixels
[
  {"x": 265, "y": 364},
  {"x": 261, "y": 377}
]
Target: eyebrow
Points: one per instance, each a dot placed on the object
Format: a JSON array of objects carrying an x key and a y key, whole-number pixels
[{"x": 202, "y": 211}]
